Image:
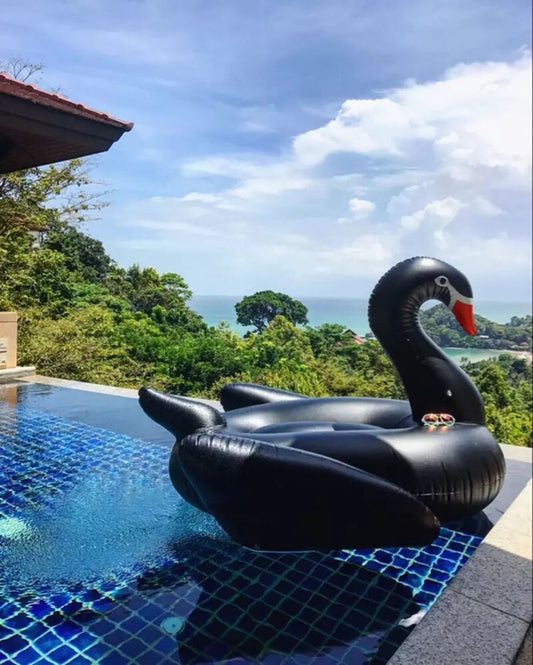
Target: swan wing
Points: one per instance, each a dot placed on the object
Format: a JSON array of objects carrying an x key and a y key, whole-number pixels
[
  {"x": 238, "y": 395},
  {"x": 274, "y": 498},
  {"x": 368, "y": 410}
]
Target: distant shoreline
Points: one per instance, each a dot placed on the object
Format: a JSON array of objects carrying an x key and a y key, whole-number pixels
[
  {"x": 526, "y": 355},
  {"x": 494, "y": 353},
  {"x": 349, "y": 312}
]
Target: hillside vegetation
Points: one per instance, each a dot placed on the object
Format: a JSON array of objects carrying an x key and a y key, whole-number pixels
[
  {"x": 83, "y": 317},
  {"x": 443, "y": 327}
]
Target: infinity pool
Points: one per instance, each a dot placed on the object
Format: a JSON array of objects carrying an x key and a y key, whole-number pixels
[{"x": 102, "y": 562}]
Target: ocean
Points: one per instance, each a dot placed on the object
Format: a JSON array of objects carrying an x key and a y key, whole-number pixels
[{"x": 352, "y": 313}]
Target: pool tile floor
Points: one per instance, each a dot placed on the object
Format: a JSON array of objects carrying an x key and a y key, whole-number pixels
[{"x": 102, "y": 562}]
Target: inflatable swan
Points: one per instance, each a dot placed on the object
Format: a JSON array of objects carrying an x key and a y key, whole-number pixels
[{"x": 282, "y": 471}]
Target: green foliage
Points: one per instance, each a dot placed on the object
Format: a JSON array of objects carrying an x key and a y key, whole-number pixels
[
  {"x": 32, "y": 203},
  {"x": 76, "y": 346},
  {"x": 196, "y": 362},
  {"x": 282, "y": 356},
  {"x": 262, "y": 307},
  {"x": 81, "y": 317},
  {"x": 163, "y": 297},
  {"x": 506, "y": 386},
  {"x": 15, "y": 256},
  {"x": 327, "y": 338},
  {"x": 82, "y": 254},
  {"x": 441, "y": 325},
  {"x": 25, "y": 197},
  {"x": 509, "y": 425},
  {"x": 84, "y": 318}
]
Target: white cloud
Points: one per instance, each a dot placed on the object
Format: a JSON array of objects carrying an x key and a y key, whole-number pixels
[
  {"x": 370, "y": 254},
  {"x": 365, "y": 126},
  {"x": 500, "y": 263},
  {"x": 440, "y": 169},
  {"x": 235, "y": 166},
  {"x": 476, "y": 115},
  {"x": 437, "y": 213},
  {"x": 272, "y": 185},
  {"x": 361, "y": 208},
  {"x": 199, "y": 197},
  {"x": 486, "y": 207}
]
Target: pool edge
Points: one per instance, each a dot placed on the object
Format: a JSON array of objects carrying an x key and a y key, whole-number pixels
[
  {"x": 15, "y": 373},
  {"x": 131, "y": 393},
  {"x": 482, "y": 616},
  {"x": 475, "y": 622}
]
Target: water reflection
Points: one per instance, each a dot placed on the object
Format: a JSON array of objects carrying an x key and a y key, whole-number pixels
[{"x": 250, "y": 604}]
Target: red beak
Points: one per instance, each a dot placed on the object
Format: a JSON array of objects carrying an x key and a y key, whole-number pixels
[{"x": 465, "y": 315}]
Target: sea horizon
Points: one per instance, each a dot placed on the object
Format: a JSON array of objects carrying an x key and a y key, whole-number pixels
[
  {"x": 349, "y": 312},
  {"x": 352, "y": 313}
]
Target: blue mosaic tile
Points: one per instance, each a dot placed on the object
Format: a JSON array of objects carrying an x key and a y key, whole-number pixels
[{"x": 101, "y": 554}]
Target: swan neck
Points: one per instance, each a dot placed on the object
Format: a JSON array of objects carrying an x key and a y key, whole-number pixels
[{"x": 433, "y": 382}]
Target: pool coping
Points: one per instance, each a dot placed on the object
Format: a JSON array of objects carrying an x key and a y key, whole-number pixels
[
  {"x": 484, "y": 616},
  {"x": 14, "y": 373}
]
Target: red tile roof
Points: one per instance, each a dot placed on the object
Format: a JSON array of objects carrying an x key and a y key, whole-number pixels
[
  {"x": 39, "y": 127},
  {"x": 11, "y": 86}
]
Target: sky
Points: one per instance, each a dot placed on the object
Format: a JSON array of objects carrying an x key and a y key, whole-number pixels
[{"x": 301, "y": 146}]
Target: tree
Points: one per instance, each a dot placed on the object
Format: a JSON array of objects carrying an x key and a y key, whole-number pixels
[
  {"x": 282, "y": 357},
  {"x": 196, "y": 362},
  {"x": 21, "y": 69},
  {"x": 39, "y": 199},
  {"x": 76, "y": 346},
  {"x": 327, "y": 338},
  {"x": 441, "y": 325},
  {"x": 163, "y": 297},
  {"x": 82, "y": 253},
  {"x": 262, "y": 307}
]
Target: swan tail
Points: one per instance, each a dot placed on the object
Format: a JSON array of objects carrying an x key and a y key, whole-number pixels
[
  {"x": 273, "y": 498},
  {"x": 178, "y": 415},
  {"x": 237, "y": 395}
]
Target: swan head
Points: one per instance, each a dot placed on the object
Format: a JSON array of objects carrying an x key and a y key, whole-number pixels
[
  {"x": 455, "y": 292},
  {"x": 406, "y": 286}
]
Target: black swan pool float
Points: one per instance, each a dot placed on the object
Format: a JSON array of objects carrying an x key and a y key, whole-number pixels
[{"x": 282, "y": 471}]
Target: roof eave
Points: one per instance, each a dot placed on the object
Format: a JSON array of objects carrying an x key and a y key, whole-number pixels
[{"x": 34, "y": 134}]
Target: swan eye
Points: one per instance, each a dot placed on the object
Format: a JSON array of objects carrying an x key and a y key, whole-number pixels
[{"x": 442, "y": 281}]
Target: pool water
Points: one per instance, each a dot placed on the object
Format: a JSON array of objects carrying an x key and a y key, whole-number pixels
[{"x": 102, "y": 562}]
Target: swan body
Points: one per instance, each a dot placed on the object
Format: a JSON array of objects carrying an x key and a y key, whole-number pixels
[{"x": 283, "y": 471}]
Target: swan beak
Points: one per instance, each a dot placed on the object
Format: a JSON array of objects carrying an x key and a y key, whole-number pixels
[{"x": 464, "y": 313}]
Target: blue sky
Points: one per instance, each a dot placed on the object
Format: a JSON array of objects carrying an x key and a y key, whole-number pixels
[{"x": 302, "y": 146}]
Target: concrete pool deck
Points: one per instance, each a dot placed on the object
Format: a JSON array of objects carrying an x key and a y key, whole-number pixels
[
  {"x": 16, "y": 373},
  {"x": 484, "y": 615}
]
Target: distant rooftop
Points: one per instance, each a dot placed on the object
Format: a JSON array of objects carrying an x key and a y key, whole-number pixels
[{"x": 38, "y": 127}]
